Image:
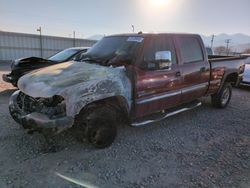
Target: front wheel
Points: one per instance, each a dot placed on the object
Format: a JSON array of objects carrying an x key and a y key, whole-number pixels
[
  {"x": 99, "y": 126},
  {"x": 101, "y": 133},
  {"x": 222, "y": 98}
]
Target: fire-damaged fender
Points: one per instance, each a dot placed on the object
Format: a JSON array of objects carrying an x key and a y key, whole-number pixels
[
  {"x": 98, "y": 90},
  {"x": 79, "y": 83}
]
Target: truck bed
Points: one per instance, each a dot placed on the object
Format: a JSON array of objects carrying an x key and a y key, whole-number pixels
[
  {"x": 215, "y": 58},
  {"x": 225, "y": 67}
]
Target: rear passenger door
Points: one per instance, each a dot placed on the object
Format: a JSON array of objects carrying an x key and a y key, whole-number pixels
[{"x": 194, "y": 67}]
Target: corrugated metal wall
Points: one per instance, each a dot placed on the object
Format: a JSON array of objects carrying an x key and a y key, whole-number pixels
[{"x": 18, "y": 45}]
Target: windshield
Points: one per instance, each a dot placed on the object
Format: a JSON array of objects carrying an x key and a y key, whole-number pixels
[
  {"x": 63, "y": 55},
  {"x": 110, "y": 47}
]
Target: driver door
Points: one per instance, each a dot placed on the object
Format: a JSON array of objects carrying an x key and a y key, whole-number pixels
[{"x": 157, "y": 87}]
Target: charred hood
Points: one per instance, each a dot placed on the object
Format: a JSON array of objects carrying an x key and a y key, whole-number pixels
[{"x": 55, "y": 79}]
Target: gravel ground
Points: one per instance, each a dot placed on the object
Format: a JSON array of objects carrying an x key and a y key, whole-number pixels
[{"x": 205, "y": 147}]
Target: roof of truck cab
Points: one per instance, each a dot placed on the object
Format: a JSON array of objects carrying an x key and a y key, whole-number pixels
[
  {"x": 78, "y": 48},
  {"x": 152, "y": 34}
]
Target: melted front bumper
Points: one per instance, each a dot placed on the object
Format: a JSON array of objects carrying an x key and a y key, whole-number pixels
[{"x": 37, "y": 120}]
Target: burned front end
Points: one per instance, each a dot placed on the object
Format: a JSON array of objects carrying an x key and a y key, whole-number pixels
[
  {"x": 52, "y": 97},
  {"x": 39, "y": 113}
]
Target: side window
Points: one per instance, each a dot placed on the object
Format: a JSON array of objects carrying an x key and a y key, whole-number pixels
[
  {"x": 158, "y": 44},
  {"x": 190, "y": 49},
  {"x": 79, "y": 56}
]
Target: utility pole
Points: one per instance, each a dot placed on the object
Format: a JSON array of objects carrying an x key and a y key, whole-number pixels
[
  {"x": 227, "y": 41},
  {"x": 133, "y": 28},
  {"x": 74, "y": 38},
  {"x": 41, "y": 42},
  {"x": 212, "y": 41}
]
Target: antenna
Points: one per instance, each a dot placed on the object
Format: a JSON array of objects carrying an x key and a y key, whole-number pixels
[
  {"x": 133, "y": 28},
  {"x": 74, "y": 38}
]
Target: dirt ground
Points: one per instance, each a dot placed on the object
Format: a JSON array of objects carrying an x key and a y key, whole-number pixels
[{"x": 205, "y": 147}]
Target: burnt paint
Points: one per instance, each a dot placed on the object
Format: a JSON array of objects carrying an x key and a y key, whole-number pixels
[{"x": 79, "y": 83}]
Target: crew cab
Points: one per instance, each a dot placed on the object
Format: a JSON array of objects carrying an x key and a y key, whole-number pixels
[
  {"x": 137, "y": 78},
  {"x": 20, "y": 67}
]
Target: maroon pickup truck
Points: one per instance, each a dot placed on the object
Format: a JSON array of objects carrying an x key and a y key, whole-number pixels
[{"x": 140, "y": 78}]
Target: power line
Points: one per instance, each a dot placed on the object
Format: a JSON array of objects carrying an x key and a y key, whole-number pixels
[
  {"x": 41, "y": 42},
  {"x": 227, "y": 41},
  {"x": 212, "y": 41},
  {"x": 74, "y": 38}
]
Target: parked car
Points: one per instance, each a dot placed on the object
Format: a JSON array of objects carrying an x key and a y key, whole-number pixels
[
  {"x": 140, "y": 78},
  {"x": 22, "y": 66},
  {"x": 246, "y": 75}
]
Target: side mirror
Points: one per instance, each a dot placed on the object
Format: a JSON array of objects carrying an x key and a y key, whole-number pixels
[
  {"x": 162, "y": 60},
  {"x": 163, "y": 56}
]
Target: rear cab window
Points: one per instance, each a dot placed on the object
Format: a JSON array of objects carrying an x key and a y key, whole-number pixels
[{"x": 190, "y": 49}]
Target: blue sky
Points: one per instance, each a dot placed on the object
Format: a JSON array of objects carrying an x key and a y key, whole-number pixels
[{"x": 90, "y": 17}]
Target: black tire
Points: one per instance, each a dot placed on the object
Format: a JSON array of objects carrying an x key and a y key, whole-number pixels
[
  {"x": 223, "y": 97},
  {"x": 237, "y": 83},
  {"x": 100, "y": 128},
  {"x": 14, "y": 83},
  {"x": 15, "y": 116}
]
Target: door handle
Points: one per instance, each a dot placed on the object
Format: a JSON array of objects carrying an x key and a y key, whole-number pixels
[
  {"x": 178, "y": 73},
  {"x": 203, "y": 69}
]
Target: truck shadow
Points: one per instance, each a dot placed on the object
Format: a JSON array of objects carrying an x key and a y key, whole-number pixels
[
  {"x": 71, "y": 137},
  {"x": 245, "y": 87}
]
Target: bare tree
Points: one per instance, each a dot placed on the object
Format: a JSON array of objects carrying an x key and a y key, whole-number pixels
[
  {"x": 220, "y": 50},
  {"x": 247, "y": 51}
]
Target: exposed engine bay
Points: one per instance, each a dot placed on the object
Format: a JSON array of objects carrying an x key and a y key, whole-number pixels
[{"x": 53, "y": 107}]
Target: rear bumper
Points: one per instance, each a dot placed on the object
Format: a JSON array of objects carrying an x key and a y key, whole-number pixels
[{"x": 37, "y": 120}]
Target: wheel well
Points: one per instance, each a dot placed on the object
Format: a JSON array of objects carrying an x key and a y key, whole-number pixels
[
  {"x": 117, "y": 103},
  {"x": 232, "y": 78}
]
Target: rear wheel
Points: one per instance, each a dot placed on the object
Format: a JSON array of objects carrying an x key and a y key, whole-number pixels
[{"x": 222, "y": 99}]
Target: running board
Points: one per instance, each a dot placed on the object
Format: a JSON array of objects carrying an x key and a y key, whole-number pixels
[{"x": 166, "y": 115}]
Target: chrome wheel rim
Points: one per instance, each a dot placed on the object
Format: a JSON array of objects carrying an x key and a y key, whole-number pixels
[{"x": 225, "y": 96}]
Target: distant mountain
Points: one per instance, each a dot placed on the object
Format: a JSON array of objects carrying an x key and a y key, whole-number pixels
[
  {"x": 239, "y": 42},
  {"x": 240, "y": 47},
  {"x": 96, "y": 37}
]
